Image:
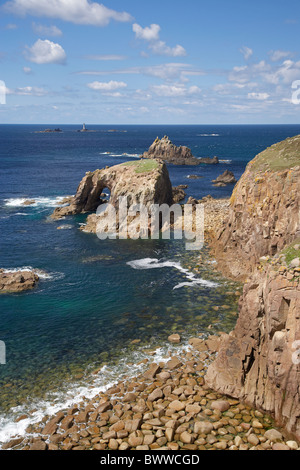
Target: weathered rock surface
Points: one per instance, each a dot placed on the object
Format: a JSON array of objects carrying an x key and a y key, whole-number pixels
[
  {"x": 143, "y": 182},
  {"x": 11, "y": 281},
  {"x": 256, "y": 362},
  {"x": 165, "y": 150},
  {"x": 264, "y": 210},
  {"x": 226, "y": 178}
]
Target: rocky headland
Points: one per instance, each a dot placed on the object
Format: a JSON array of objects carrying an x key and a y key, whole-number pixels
[
  {"x": 257, "y": 362},
  {"x": 164, "y": 149}
]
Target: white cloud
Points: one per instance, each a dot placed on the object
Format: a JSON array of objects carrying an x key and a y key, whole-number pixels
[
  {"x": 11, "y": 26},
  {"x": 247, "y": 52},
  {"x": 43, "y": 30},
  {"x": 151, "y": 35},
  {"x": 27, "y": 91},
  {"x": 74, "y": 11},
  {"x": 27, "y": 70},
  {"x": 105, "y": 57},
  {"x": 106, "y": 86},
  {"x": 176, "y": 90},
  {"x": 168, "y": 72},
  {"x": 46, "y": 52},
  {"x": 278, "y": 55},
  {"x": 259, "y": 96},
  {"x": 161, "y": 48}
]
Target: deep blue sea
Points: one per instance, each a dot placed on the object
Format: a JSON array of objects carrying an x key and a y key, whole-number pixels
[{"x": 101, "y": 305}]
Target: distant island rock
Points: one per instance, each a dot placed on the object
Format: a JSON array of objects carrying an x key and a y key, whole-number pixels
[
  {"x": 17, "y": 281},
  {"x": 49, "y": 131},
  {"x": 165, "y": 150}
]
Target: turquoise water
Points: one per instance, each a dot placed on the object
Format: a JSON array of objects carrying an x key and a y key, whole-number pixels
[{"x": 97, "y": 297}]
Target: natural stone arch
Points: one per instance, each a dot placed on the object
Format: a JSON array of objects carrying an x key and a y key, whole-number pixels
[{"x": 144, "y": 182}]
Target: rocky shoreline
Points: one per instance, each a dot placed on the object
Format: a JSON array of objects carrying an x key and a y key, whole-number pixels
[{"x": 167, "y": 407}]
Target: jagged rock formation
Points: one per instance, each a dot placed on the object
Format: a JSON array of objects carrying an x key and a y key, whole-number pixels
[
  {"x": 264, "y": 214},
  {"x": 226, "y": 178},
  {"x": 143, "y": 182},
  {"x": 256, "y": 362},
  {"x": 165, "y": 150},
  {"x": 17, "y": 281}
]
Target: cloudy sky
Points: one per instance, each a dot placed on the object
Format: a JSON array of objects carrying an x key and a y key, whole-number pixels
[{"x": 150, "y": 62}]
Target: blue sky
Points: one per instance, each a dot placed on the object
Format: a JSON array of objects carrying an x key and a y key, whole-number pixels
[{"x": 158, "y": 62}]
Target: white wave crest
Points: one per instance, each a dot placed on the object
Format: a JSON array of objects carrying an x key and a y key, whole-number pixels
[
  {"x": 150, "y": 263},
  {"x": 36, "y": 201}
]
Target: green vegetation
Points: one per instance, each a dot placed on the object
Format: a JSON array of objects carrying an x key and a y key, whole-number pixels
[
  {"x": 280, "y": 156},
  {"x": 290, "y": 252},
  {"x": 143, "y": 166}
]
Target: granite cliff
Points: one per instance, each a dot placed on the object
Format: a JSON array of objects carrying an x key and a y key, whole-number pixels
[
  {"x": 264, "y": 214},
  {"x": 257, "y": 362}
]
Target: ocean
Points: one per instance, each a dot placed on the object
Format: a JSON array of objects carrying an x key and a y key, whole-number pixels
[{"x": 101, "y": 306}]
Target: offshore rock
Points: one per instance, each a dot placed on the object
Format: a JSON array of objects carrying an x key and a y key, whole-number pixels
[
  {"x": 165, "y": 150},
  {"x": 226, "y": 178},
  {"x": 12, "y": 282},
  {"x": 142, "y": 182}
]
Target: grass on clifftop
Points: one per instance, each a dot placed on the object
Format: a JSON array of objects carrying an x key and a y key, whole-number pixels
[
  {"x": 143, "y": 166},
  {"x": 281, "y": 156}
]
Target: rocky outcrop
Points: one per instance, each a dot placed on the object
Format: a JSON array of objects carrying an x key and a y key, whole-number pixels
[
  {"x": 165, "y": 150},
  {"x": 178, "y": 193},
  {"x": 258, "y": 361},
  {"x": 264, "y": 210},
  {"x": 226, "y": 178},
  {"x": 144, "y": 182},
  {"x": 17, "y": 281}
]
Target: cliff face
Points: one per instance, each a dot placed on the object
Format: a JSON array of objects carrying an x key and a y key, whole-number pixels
[
  {"x": 257, "y": 362},
  {"x": 264, "y": 210}
]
